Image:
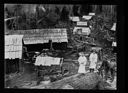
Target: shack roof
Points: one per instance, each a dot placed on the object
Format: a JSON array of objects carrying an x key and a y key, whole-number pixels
[
  {"x": 35, "y": 36},
  {"x": 74, "y": 18},
  {"x": 92, "y": 14},
  {"x": 82, "y": 23},
  {"x": 87, "y": 17}
]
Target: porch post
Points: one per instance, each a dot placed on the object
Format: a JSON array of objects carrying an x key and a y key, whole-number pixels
[{"x": 51, "y": 47}]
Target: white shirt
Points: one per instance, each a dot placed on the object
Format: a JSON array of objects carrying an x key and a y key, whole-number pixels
[
  {"x": 93, "y": 57},
  {"x": 82, "y": 60}
]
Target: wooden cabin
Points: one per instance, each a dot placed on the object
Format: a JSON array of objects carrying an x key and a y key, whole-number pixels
[
  {"x": 33, "y": 40},
  {"x": 39, "y": 39},
  {"x": 46, "y": 39},
  {"x": 42, "y": 36}
]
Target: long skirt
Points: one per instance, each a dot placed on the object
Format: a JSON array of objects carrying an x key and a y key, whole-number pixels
[
  {"x": 81, "y": 69},
  {"x": 92, "y": 65}
]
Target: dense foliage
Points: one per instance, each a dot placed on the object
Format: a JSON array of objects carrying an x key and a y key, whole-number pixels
[{"x": 37, "y": 16}]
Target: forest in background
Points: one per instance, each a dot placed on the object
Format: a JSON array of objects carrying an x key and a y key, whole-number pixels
[
  {"x": 36, "y": 16},
  {"x": 39, "y": 16}
]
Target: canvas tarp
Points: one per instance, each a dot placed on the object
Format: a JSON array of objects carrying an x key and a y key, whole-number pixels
[
  {"x": 84, "y": 30},
  {"x": 47, "y": 61}
]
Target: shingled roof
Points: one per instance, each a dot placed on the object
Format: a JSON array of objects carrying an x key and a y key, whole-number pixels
[{"x": 35, "y": 36}]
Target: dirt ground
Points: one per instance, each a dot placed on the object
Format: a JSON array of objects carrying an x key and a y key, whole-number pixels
[
  {"x": 29, "y": 76},
  {"x": 26, "y": 77}
]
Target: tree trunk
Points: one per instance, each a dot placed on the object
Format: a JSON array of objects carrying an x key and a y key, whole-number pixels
[{"x": 78, "y": 81}]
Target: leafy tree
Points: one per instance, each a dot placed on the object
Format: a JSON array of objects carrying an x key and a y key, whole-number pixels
[
  {"x": 75, "y": 10},
  {"x": 64, "y": 14},
  {"x": 101, "y": 26},
  {"x": 52, "y": 18}
]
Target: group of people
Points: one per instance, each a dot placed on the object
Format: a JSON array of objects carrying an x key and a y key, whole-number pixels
[{"x": 82, "y": 60}]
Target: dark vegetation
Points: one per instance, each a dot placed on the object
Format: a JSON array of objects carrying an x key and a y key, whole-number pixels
[
  {"x": 38, "y": 16},
  {"x": 42, "y": 16}
]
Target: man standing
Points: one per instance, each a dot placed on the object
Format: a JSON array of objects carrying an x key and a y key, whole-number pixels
[
  {"x": 114, "y": 45},
  {"x": 93, "y": 60},
  {"x": 82, "y": 62}
]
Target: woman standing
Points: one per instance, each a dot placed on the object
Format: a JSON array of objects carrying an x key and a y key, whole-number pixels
[
  {"x": 93, "y": 60},
  {"x": 82, "y": 62}
]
